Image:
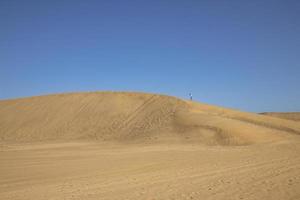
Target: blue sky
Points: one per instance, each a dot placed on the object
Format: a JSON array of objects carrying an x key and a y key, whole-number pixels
[{"x": 238, "y": 54}]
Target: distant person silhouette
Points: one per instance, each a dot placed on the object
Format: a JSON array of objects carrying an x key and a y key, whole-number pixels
[{"x": 191, "y": 96}]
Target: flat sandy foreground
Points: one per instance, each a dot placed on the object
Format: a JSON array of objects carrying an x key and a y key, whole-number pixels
[{"x": 157, "y": 171}]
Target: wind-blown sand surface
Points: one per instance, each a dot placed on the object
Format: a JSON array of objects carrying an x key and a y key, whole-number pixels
[
  {"x": 108, "y": 145},
  {"x": 284, "y": 115}
]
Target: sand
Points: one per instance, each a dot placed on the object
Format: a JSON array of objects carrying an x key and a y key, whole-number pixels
[
  {"x": 112, "y": 145},
  {"x": 284, "y": 115}
]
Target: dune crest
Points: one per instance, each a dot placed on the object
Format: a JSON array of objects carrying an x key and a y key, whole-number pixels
[
  {"x": 134, "y": 117},
  {"x": 295, "y": 116}
]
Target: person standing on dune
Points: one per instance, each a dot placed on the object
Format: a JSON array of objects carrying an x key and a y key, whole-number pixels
[{"x": 191, "y": 96}]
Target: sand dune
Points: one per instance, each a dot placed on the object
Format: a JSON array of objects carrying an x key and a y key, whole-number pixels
[
  {"x": 110, "y": 116},
  {"x": 284, "y": 115},
  {"x": 121, "y": 145}
]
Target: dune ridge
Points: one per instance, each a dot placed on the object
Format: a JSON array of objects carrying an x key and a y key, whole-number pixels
[
  {"x": 138, "y": 117},
  {"x": 295, "y": 116}
]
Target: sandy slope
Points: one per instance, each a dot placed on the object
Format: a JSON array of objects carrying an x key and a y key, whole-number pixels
[
  {"x": 107, "y": 145},
  {"x": 109, "y": 116},
  {"x": 284, "y": 115}
]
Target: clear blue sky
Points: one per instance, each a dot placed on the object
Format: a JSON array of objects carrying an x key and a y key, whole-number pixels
[{"x": 239, "y": 54}]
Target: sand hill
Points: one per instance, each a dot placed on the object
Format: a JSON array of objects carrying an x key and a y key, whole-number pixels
[
  {"x": 129, "y": 117},
  {"x": 121, "y": 145},
  {"x": 284, "y": 115}
]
